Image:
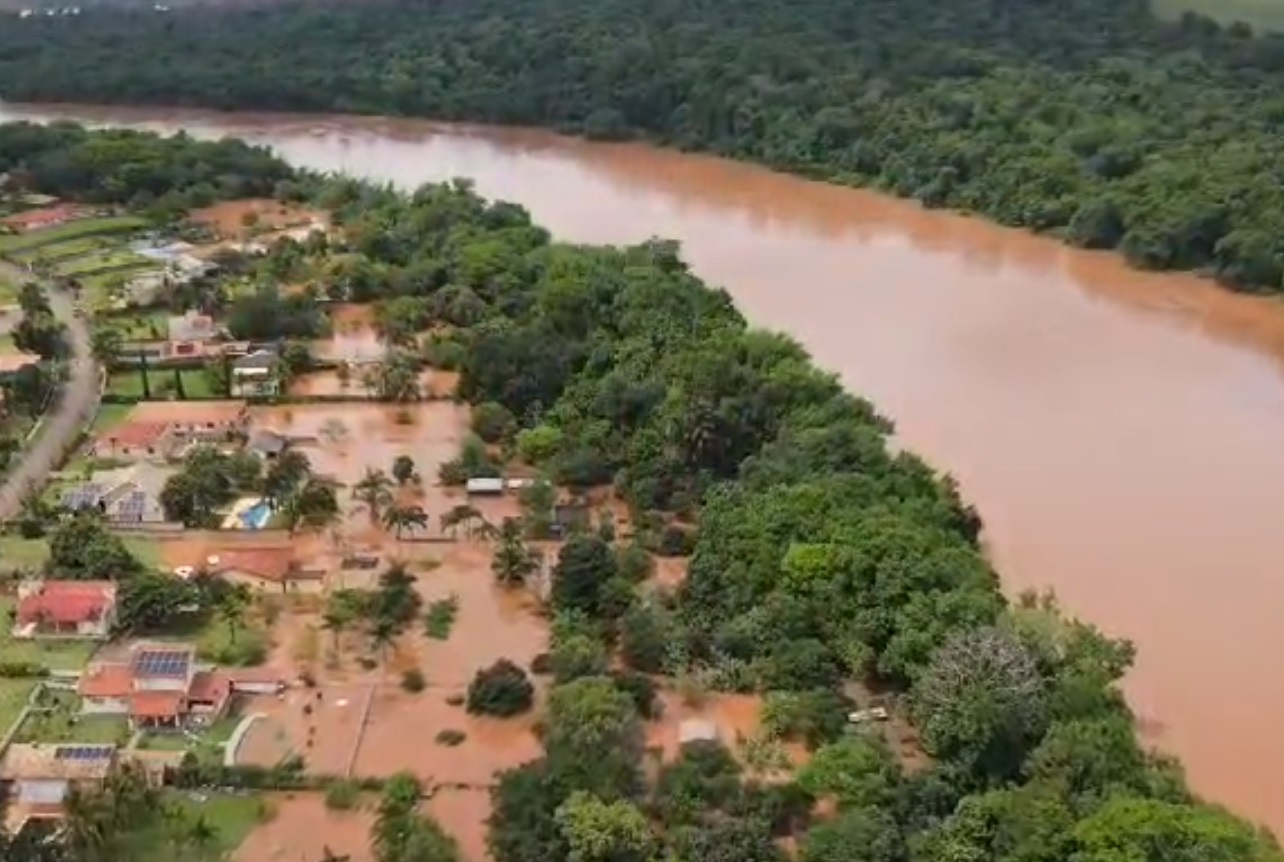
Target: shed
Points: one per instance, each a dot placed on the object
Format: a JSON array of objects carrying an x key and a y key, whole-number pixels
[
  {"x": 697, "y": 730},
  {"x": 486, "y": 486}
]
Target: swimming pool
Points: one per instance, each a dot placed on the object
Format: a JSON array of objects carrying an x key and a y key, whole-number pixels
[{"x": 256, "y": 516}]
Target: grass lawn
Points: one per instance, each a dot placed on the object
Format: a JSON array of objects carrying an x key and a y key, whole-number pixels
[
  {"x": 6, "y": 344},
  {"x": 107, "y": 261},
  {"x": 207, "y": 746},
  {"x": 129, "y": 384},
  {"x": 8, "y": 292},
  {"x": 57, "y": 251},
  {"x": 231, "y": 818},
  {"x": 109, "y": 416},
  {"x": 63, "y": 724},
  {"x": 56, "y": 655},
  {"x": 19, "y": 553},
  {"x": 13, "y": 697},
  {"x": 139, "y": 326},
  {"x": 71, "y": 230}
]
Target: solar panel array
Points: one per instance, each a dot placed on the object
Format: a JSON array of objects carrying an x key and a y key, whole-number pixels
[
  {"x": 84, "y": 752},
  {"x": 132, "y": 506},
  {"x": 83, "y": 496},
  {"x": 162, "y": 663}
]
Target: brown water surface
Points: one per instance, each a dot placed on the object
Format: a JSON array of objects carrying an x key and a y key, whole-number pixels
[{"x": 1119, "y": 431}]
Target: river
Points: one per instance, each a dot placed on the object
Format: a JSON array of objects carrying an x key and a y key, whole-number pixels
[{"x": 1121, "y": 432}]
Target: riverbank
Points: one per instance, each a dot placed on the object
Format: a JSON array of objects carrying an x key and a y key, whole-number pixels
[{"x": 1118, "y": 430}]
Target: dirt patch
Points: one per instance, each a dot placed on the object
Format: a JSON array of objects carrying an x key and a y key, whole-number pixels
[
  {"x": 243, "y": 219},
  {"x": 303, "y": 828}
]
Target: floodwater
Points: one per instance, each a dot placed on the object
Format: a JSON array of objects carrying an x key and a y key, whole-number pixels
[{"x": 1119, "y": 431}]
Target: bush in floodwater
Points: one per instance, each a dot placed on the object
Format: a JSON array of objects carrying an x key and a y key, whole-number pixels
[
  {"x": 451, "y": 737},
  {"x": 503, "y": 690},
  {"x": 342, "y": 795},
  {"x": 413, "y": 680},
  {"x": 441, "y": 617}
]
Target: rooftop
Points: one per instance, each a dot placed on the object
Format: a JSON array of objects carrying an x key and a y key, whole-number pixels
[
  {"x": 29, "y": 218},
  {"x": 10, "y": 362},
  {"x": 66, "y": 761},
  {"x": 64, "y": 602},
  {"x": 270, "y": 563},
  {"x": 188, "y": 412},
  {"x": 135, "y": 434},
  {"x": 152, "y": 661},
  {"x": 259, "y": 360}
]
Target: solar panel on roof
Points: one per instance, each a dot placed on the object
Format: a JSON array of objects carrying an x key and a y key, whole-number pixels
[
  {"x": 162, "y": 662},
  {"x": 83, "y": 752}
]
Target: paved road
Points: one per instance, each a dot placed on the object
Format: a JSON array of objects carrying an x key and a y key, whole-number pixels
[{"x": 77, "y": 405}]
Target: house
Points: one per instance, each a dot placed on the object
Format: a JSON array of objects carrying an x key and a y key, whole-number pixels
[
  {"x": 195, "y": 420},
  {"x": 267, "y": 444},
  {"x": 484, "y": 487},
  {"x": 38, "y": 219},
  {"x": 189, "y": 333},
  {"x": 35, "y": 778},
  {"x": 265, "y": 568},
  {"x": 256, "y": 375},
  {"x": 137, "y": 440},
  {"x": 129, "y": 495},
  {"x": 157, "y": 686},
  {"x": 65, "y": 609}
]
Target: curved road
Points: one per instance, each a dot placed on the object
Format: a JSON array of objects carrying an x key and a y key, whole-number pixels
[{"x": 74, "y": 408}]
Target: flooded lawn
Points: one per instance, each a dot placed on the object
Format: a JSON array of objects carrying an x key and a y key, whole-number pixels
[
  {"x": 244, "y": 219},
  {"x": 354, "y": 338},
  {"x": 301, "y": 827},
  {"x": 343, "y": 439},
  {"x": 321, "y": 725},
  {"x": 736, "y": 718}
]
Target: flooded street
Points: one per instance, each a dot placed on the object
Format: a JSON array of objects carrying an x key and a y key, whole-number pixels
[{"x": 1119, "y": 431}]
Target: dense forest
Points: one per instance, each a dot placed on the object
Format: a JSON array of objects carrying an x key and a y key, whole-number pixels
[
  {"x": 1086, "y": 118},
  {"x": 823, "y": 566}
]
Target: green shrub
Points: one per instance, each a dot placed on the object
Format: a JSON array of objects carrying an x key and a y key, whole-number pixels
[
  {"x": 413, "y": 681},
  {"x": 342, "y": 795},
  {"x": 503, "y": 690},
  {"x": 451, "y": 738},
  {"x": 493, "y": 422},
  {"x": 441, "y": 617}
]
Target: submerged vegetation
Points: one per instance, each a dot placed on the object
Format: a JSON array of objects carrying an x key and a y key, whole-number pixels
[
  {"x": 823, "y": 567},
  {"x": 1093, "y": 119}
]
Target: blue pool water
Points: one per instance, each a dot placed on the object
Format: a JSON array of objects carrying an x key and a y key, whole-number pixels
[{"x": 255, "y": 517}]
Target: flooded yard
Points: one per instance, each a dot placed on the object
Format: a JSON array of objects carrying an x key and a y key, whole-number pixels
[{"x": 302, "y": 828}]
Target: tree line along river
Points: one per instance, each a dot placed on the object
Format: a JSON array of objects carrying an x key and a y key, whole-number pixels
[{"x": 1119, "y": 431}]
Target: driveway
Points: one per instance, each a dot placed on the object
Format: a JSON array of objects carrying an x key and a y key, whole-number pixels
[{"x": 64, "y": 421}]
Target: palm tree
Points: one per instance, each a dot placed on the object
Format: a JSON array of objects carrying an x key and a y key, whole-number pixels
[
  {"x": 232, "y": 607},
  {"x": 382, "y": 635},
  {"x": 398, "y": 518},
  {"x": 465, "y": 515},
  {"x": 374, "y": 491},
  {"x": 335, "y": 621},
  {"x": 513, "y": 561}
]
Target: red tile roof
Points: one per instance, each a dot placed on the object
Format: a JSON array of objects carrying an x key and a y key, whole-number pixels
[
  {"x": 135, "y": 434},
  {"x": 107, "y": 680},
  {"x": 41, "y": 217},
  {"x": 67, "y": 602},
  {"x": 156, "y": 704},
  {"x": 270, "y": 564},
  {"x": 210, "y": 686}
]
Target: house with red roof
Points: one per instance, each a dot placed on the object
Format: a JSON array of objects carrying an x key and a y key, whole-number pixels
[
  {"x": 65, "y": 609},
  {"x": 157, "y": 686},
  {"x": 38, "y": 219}
]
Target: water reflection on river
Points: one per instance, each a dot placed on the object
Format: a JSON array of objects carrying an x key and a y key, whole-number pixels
[{"x": 1120, "y": 432}]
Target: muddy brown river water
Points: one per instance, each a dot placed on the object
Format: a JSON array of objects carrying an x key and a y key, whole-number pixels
[{"x": 1121, "y": 432}]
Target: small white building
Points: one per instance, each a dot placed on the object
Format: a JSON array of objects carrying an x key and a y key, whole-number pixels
[{"x": 484, "y": 487}]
